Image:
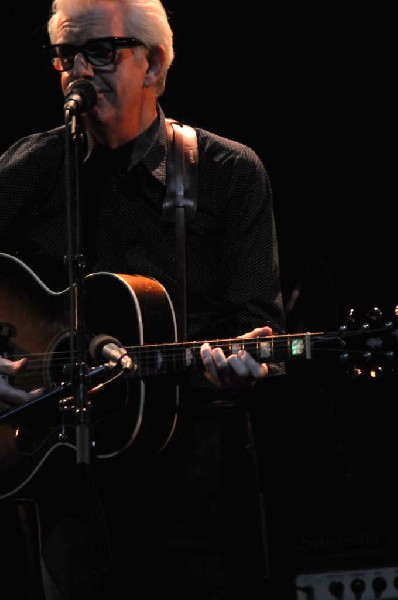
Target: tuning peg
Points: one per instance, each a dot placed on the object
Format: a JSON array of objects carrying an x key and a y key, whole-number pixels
[
  {"x": 343, "y": 328},
  {"x": 354, "y": 372},
  {"x": 374, "y": 313},
  {"x": 371, "y": 348},
  {"x": 390, "y": 356},
  {"x": 366, "y": 357},
  {"x": 376, "y": 372}
]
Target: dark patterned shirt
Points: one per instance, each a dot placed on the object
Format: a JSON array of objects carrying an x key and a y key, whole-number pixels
[{"x": 232, "y": 261}]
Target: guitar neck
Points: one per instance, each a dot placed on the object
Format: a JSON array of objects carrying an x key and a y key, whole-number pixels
[{"x": 179, "y": 357}]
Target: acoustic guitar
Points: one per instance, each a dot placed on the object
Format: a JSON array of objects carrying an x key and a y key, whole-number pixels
[{"x": 127, "y": 408}]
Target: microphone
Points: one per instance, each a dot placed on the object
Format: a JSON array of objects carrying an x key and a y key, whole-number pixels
[
  {"x": 107, "y": 348},
  {"x": 80, "y": 96}
]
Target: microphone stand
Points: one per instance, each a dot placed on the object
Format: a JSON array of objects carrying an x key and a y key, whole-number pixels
[
  {"x": 76, "y": 273},
  {"x": 77, "y": 98}
]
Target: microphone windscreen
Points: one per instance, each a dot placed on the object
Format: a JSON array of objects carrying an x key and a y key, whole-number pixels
[
  {"x": 97, "y": 344},
  {"x": 82, "y": 93}
]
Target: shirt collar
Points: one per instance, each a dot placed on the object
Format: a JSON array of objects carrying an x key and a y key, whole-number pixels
[{"x": 150, "y": 148}]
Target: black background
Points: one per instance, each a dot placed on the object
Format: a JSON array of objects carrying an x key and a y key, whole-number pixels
[{"x": 314, "y": 92}]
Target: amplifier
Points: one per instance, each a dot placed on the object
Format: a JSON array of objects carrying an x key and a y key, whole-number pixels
[{"x": 359, "y": 584}]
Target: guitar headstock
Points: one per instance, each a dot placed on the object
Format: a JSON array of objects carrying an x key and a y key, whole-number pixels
[{"x": 372, "y": 346}]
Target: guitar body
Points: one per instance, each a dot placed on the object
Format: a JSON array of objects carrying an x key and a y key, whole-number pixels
[
  {"x": 127, "y": 413},
  {"x": 131, "y": 408}
]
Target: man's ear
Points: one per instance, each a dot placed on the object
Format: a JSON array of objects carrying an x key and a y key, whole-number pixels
[{"x": 156, "y": 59}]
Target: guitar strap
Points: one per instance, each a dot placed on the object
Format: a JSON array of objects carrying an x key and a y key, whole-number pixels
[{"x": 180, "y": 202}]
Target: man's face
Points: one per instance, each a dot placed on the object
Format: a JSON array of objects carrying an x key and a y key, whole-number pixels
[{"x": 121, "y": 85}]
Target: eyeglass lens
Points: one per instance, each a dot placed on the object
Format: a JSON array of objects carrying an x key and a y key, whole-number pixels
[{"x": 98, "y": 53}]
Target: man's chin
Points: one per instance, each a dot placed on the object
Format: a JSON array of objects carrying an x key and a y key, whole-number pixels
[{"x": 100, "y": 115}]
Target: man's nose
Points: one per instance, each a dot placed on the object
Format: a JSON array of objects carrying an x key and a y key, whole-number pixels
[{"x": 81, "y": 66}]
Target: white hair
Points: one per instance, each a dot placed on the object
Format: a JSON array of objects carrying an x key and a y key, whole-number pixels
[{"x": 145, "y": 20}]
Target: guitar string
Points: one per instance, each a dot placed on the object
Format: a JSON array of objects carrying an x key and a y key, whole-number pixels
[
  {"x": 151, "y": 355},
  {"x": 174, "y": 348},
  {"x": 182, "y": 347}
]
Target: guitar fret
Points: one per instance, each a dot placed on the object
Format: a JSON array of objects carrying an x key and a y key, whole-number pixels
[
  {"x": 177, "y": 360},
  {"x": 235, "y": 347},
  {"x": 159, "y": 360},
  {"x": 164, "y": 362},
  {"x": 265, "y": 349},
  {"x": 300, "y": 346},
  {"x": 189, "y": 358}
]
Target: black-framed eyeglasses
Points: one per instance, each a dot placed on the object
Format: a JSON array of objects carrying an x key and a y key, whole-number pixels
[{"x": 99, "y": 52}]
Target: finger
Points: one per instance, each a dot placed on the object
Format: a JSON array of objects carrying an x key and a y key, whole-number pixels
[
  {"x": 208, "y": 362},
  {"x": 11, "y": 367},
  {"x": 237, "y": 371},
  {"x": 239, "y": 366},
  {"x": 256, "y": 370},
  {"x": 246, "y": 371},
  {"x": 258, "y": 332},
  {"x": 216, "y": 365},
  {"x": 224, "y": 372},
  {"x": 13, "y": 396}
]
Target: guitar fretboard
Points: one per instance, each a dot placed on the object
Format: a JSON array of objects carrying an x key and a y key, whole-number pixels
[{"x": 185, "y": 356}]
